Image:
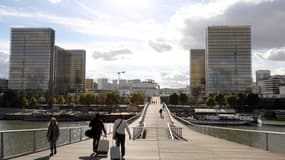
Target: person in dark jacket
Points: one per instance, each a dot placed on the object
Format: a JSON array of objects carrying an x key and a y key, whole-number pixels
[
  {"x": 97, "y": 127},
  {"x": 52, "y": 135}
]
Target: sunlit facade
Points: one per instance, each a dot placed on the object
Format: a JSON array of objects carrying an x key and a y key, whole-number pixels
[
  {"x": 31, "y": 59},
  {"x": 197, "y": 71},
  {"x": 228, "y": 59}
]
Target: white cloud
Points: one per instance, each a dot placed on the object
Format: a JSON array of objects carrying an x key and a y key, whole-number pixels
[
  {"x": 275, "y": 54},
  {"x": 160, "y": 45},
  {"x": 4, "y": 64},
  {"x": 112, "y": 55},
  {"x": 54, "y": 1}
]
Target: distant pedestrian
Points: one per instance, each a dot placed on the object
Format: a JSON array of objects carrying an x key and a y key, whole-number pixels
[
  {"x": 120, "y": 125},
  {"x": 160, "y": 113},
  {"x": 52, "y": 135},
  {"x": 97, "y": 127}
]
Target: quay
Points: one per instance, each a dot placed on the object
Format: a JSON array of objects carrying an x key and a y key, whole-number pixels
[{"x": 156, "y": 144}]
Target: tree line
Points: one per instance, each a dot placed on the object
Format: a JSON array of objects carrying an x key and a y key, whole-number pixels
[{"x": 12, "y": 98}]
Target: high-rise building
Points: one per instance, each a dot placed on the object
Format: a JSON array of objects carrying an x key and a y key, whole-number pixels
[
  {"x": 69, "y": 71},
  {"x": 77, "y": 73},
  {"x": 260, "y": 76},
  {"x": 31, "y": 59},
  {"x": 228, "y": 59},
  {"x": 89, "y": 84},
  {"x": 103, "y": 84},
  {"x": 197, "y": 72}
]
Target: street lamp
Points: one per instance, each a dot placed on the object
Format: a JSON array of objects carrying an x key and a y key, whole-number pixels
[{"x": 119, "y": 73}]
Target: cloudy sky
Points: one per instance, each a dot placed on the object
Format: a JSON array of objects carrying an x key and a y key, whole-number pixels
[{"x": 149, "y": 39}]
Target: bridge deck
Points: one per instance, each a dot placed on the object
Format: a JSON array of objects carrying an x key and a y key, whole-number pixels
[{"x": 157, "y": 146}]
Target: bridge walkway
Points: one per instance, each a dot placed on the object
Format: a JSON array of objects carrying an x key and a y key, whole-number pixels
[{"x": 157, "y": 146}]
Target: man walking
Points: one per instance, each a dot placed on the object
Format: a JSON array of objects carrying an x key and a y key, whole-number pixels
[{"x": 97, "y": 127}]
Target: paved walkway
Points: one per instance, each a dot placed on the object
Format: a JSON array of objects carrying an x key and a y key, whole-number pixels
[{"x": 157, "y": 146}]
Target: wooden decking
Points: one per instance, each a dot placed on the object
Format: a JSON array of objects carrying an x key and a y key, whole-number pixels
[{"x": 157, "y": 146}]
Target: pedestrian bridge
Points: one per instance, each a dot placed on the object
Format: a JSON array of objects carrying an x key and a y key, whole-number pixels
[{"x": 163, "y": 138}]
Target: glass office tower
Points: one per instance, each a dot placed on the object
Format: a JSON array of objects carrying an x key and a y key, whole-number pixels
[
  {"x": 31, "y": 58},
  {"x": 197, "y": 72},
  {"x": 228, "y": 59},
  {"x": 77, "y": 72}
]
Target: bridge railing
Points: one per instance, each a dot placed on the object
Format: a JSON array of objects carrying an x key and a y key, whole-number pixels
[
  {"x": 19, "y": 142},
  {"x": 174, "y": 132},
  {"x": 141, "y": 121},
  {"x": 267, "y": 140}
]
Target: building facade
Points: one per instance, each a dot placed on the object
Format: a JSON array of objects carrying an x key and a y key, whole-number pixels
[
  {"x": 77, "y": 70},
  {"x": 3, "y": 85},
  {"x": 31, "y": 59},
  {"x": 197, "y": 72},
  {"x": 228, "y": 59},
  {"x": 89, "y": 85},
  {"x": 260, "y": 76}
]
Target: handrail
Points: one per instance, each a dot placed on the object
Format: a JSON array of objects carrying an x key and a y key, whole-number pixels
[
  {"x": 169, "y": 114},
  {"x": 143, "y": 113},
  {"x": 232, "y": 129},
  {"x": 39, "y": 129},
  {"x": 170, "y": 132}
]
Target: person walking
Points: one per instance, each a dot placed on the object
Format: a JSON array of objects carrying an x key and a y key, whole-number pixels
[
  {"x": 120, "y": 125},
  {"x": 52, "y": 135},
  {"x": 97, "y": 127}
]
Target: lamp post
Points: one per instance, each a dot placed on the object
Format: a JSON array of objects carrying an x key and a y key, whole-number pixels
[{"x": 119, "y": 73}]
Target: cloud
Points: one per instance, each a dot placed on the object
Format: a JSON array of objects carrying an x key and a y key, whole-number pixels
[
  {"x": 160, "y": 45},
  {"x": 266, "y": 18},
  {"x": 54, "y": 1},
  {"x": 275, "y": 54},
  {"x": 174, "y": 79},
  {"x": 4, "y": 65},
  {"x": 112, "y": 55}
]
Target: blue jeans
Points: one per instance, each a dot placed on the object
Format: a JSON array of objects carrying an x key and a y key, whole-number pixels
[{"x": 52, "y": 146}]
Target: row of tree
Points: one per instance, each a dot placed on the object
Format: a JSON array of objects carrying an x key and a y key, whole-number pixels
[
  {"x": 14, "y": 99},
  {"x": 222, "y": 100}
]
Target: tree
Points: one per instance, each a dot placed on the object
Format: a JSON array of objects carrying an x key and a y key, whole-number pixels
[
  {"x": 173, "y": 99},
  {"x": 70, "y": 100},
  {"x": 183, "y": 98},
  {"x": 42, "y": 100},
  {"x": 60, "y": 100},
  {"x": 200, "y": 100},
  {"x": 25, "y": 102},
  {"x": 137, "y": 98},
  {"x": 87, "y": 98},
  {"x": 232, "y": 100},
  {"x": 34, "y": 102},
  {"x": 191, "y": 100},
  {"x": 210, "y": 101},
  {"x": 100, "y": 98},
  {"x": 252, "y": 100},
  {"x": 112, "y": 98},
  {"x": 52, "y": 101},
  {"x": 11, "y": 98},
  {"x": 219, "y": 99}
]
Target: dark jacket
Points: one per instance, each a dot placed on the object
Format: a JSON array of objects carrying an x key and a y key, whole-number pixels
[
  {"x": 53, "y": 133},
  {"x": 97, "y": 127}
]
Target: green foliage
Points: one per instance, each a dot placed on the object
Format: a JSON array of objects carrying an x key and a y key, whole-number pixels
[
  {"x": 100, "y": 98},
  {"x": 70, "y": 100},
  {"x": 25, "y": 102},
  {"x": 200, "y": 100},
  {"x": 232, "y": 100},
  {"x": 219, "y": 99},
  {"x": 191, "y": 100},
  {"x": 34, "y": 102},
  {"x": 252, "y": 100},
  {"x": 183, "y": 98},
  {"x": 137, "y": 98},
  {"x": 210, "y": 101},
  {"x": 42, "y": 100},
  {"x": 173, "y": 99},
  {"x": 60, "y": 100},
  {"x": 10, "y": 98},
  {"x": 52, "y": 101},
  {"x": 87, "y": 98},
  {"x": 112, "y": 98}
]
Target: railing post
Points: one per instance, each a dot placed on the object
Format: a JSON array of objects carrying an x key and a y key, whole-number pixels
[
  {"x": 266, "y": 142},
  {"x": 80, "y": 134},
  {"x": 2, "y": 145},
  {"x": 34, "y": 141},
  {"x": 69, "y": 135}
]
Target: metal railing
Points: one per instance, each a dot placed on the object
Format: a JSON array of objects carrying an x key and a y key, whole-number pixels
[
  {"x": 168, "y": 113},
  {"x": 267, "y": 140},
  {"x": 175, "y": 132},
  {"x": 143, "y": 113},
  {"x": 138, "y": 132},
  {"x": 20, "y": 142}
]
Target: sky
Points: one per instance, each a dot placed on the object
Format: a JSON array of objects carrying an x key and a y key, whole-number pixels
[{"x": 148, "y": 39}]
